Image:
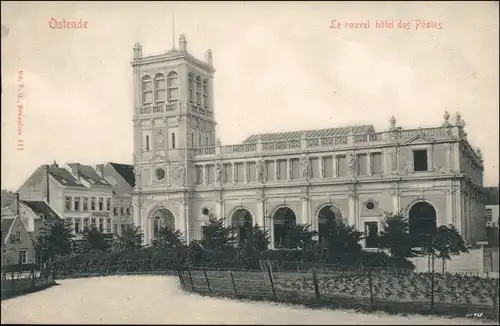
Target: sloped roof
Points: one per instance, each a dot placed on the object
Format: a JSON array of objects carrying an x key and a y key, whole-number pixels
[
  {"x": 492, "y": 195},
  {"x": 41, "y": 209},
  {"x": 89, "y": 174},
  {"x": 294, "y": 135},
  {"x": 64, "y": 177},
  {"x": 6, "y": 223},
  {"x": 126, "y": 171}
]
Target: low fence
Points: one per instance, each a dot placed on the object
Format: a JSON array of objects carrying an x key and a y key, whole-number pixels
[
  {"x": 89, "y": 268},
  {"x": 306, "y": 267},
  {"x": 393, "y": 291},
  {"x": 24, "y": 278}
]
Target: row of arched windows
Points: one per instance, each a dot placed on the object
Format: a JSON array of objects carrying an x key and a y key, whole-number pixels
[
  {"x": 198, "y": 90},
  {"x": 160, "y": 89}
]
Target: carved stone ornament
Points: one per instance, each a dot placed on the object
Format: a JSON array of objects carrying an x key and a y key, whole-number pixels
[
  {"x": 304, "y": 165},
  {"x": 137, "y": 171},
  {"x": 182, "y": 174},
  {"x": 218, "y": 171},
  {"x": 351, "y": 160},
  {"x": 259, "y": 170},
  {"x": 392, "y": 122}
]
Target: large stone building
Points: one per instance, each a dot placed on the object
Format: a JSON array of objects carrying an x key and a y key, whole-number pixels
[
  {"x": 183, "y": 173},
  {"x": 74, "y": 191},
  {"x": 122, "y": 178}
]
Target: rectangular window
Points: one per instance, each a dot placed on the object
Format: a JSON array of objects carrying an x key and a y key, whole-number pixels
[
  {"x": 206, "y": 141},
  {"x": 210, "y": 171},
  {"x": 92, "y": 203},
  {"x": 192, "y": 140},
  {"x": 15, "y": 238},
  {"x": 108, "y": 204},
  {"x": 23, "y": 256},
  {"x": 173, "y": 93},
  {"x": 101, "y": 224},
  {"x": 204, "y": 232},
  {"x": 85, "y": 224},
  {"x": 128, "y": 211},
  {"x": 240, "y": 172},
  {"x": 77, "y": 204},
  {"x": 314, "y": 168},
  {"x": 371, "y": 233},
  {"x": 251, "y": 172},
  {"x": 328, "y": 166},
  {"x": 199, "y": 174},
  {"x": 77, "y": 225},
  {"x": 101, "y": 203},
  {"x": 115, "y": 211},
  {"x": 270, "y": 176},
  {"x": 108, "y": 225},
  {"x": 420, "y": 160},
  {"x": 147, "y": 142},
  {"x": 121, "y": 211},
  {"x": 295, "y": 163},
  {"x": 342, "y": 166},
  {"x": 377, "y": 167},
  {"x": 93, "y": 222},
  {"x": 85, "y": 204},
  {"x": 228, "y": 173},
  {"x": 67, "y": 201},
  {"x": 488, "y": 214},
  {"x": 115, "y": 228},
  {"x": 362, "y": 164},
  {"x": 173, "y": 140},
  {"x": 282, "y": 170}
]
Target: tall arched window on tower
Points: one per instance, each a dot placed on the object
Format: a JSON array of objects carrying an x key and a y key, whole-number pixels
[
  {"x": 191, "y": 86},
  {"x": 159, "y": 88},
  {"x": 173, "y": 86},
  {"x": 198, "y": 90},
  {"x": 205, "y": 93},
  {"x": 147, "y": 90}
]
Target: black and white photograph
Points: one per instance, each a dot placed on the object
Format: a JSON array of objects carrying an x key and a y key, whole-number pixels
[{"x": 250, "y": 162}]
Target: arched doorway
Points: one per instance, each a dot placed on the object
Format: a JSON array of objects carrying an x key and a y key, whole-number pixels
[
  {"x": 241, "y": 221},
  {"x": 283, "y": 220},
  {"x": 162, "y": 218},
  {"x": 422, "y": 219},
  {"x": 327, "y": 217}
]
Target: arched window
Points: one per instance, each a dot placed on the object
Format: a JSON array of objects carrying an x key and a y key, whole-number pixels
[
  {"x": 191, "y": 86},
  {"x": 147, "y": 90},
  {"x": 157, "y": 225},
  {"x": 173, "y": 86},
  {"x": 205, "y": 93},
  {"x": 159, "y": 88},
  {"x": 241, "y": 221},
  {"x": 198, "y": 90},
  {"x": 283, "y": 221},
  {"x": 422, "y": 220}
]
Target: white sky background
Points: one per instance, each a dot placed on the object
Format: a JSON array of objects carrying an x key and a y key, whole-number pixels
[{"x": 279, "y": 67}]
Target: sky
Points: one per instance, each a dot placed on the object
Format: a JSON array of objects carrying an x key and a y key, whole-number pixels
[{"x": 280, "y": 67}]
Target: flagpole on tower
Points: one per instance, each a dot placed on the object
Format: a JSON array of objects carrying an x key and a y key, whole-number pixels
[{"x": 173, "y": 30}]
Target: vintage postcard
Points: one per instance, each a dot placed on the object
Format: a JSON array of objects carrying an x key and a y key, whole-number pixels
[{"x": 248, "y": 162}]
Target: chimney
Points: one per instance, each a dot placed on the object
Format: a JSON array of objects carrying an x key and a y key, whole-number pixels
[
  {"x": 17, "y": 205},
  {"x": 100, "y": 170},
  {"x": 47, "y": 183},
  {"x": 75, "y": 168}
]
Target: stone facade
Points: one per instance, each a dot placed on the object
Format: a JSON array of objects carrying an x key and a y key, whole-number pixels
[
  {"x": 181, "y": 167},
  {"x": 75, "y": 192}
]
